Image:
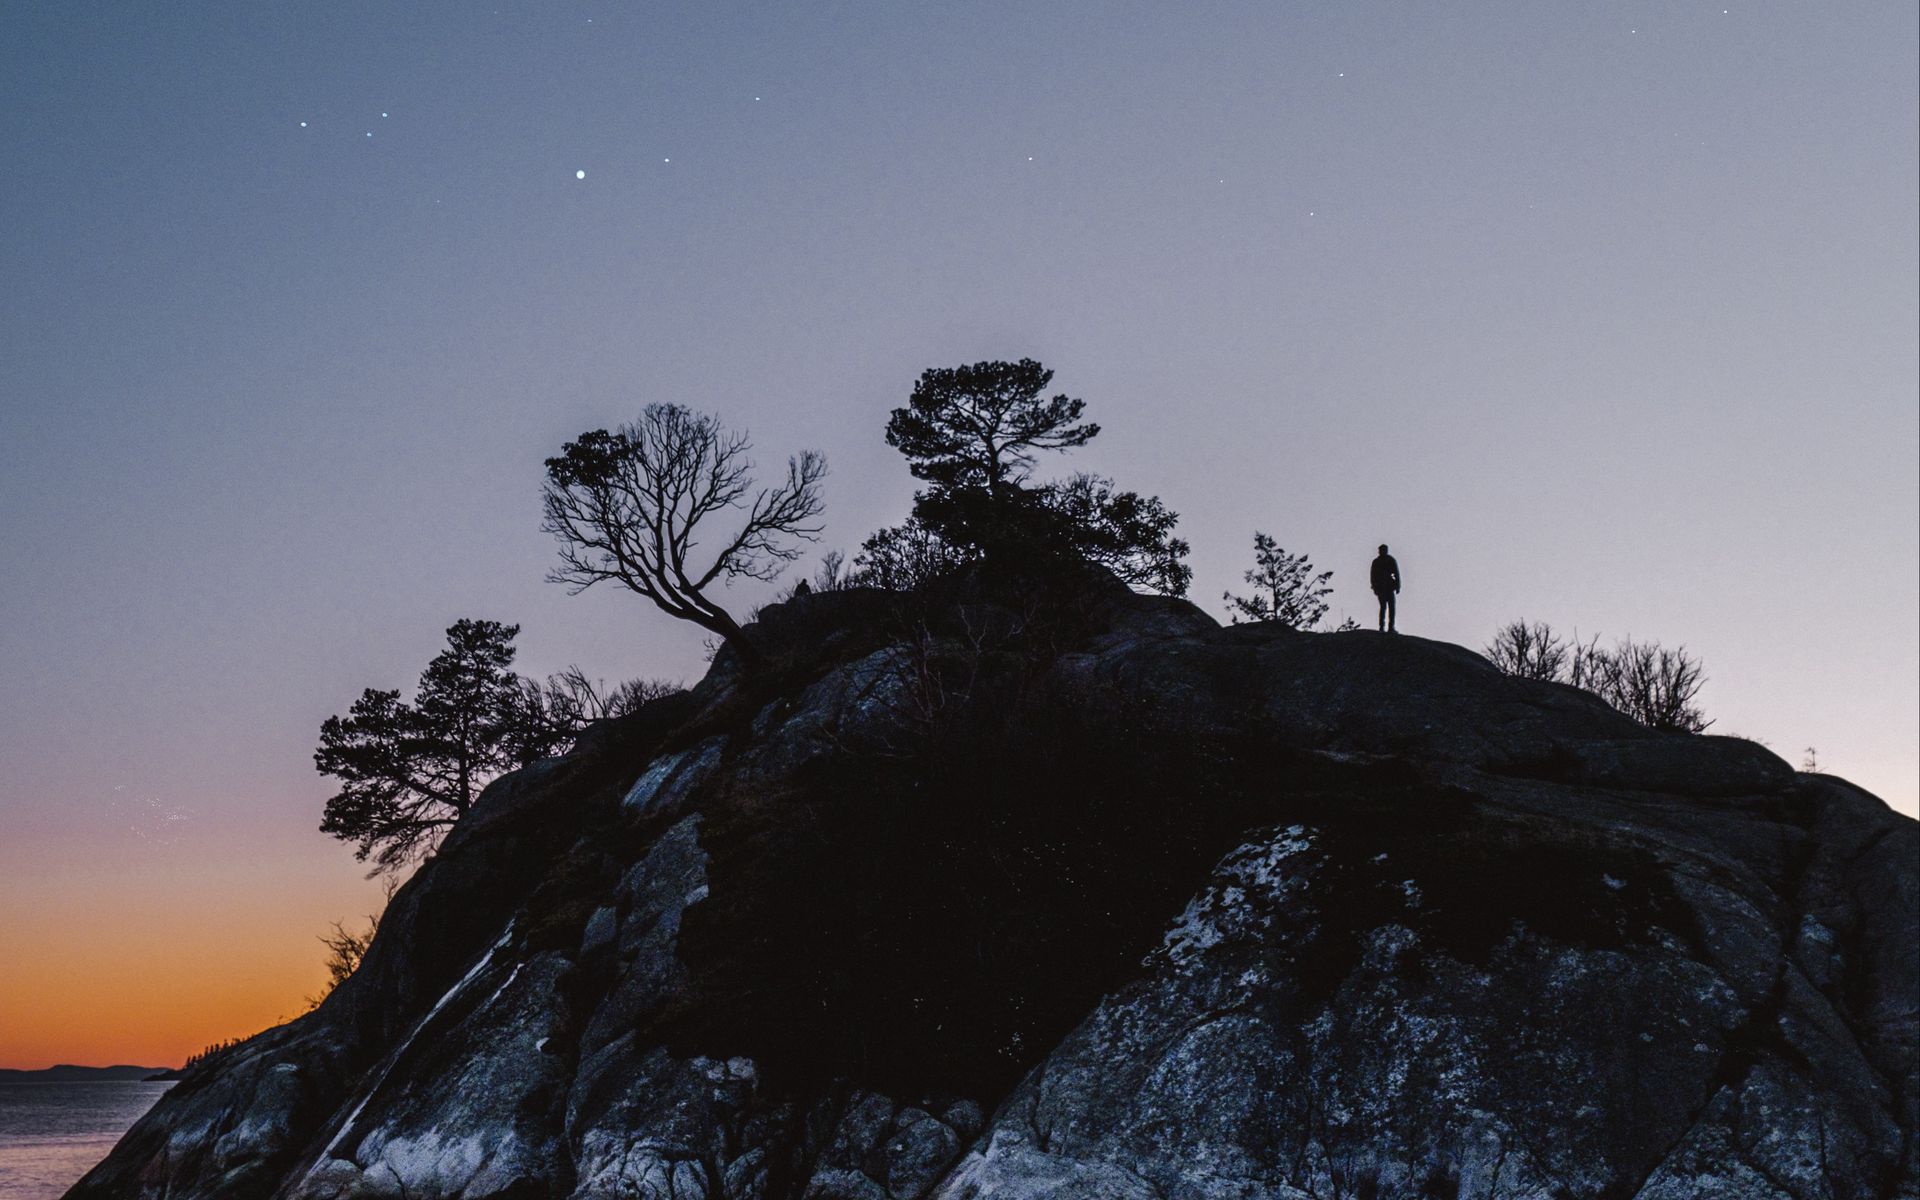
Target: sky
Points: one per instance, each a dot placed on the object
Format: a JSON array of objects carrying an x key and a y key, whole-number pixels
[{"x": 1600, "y": 314}]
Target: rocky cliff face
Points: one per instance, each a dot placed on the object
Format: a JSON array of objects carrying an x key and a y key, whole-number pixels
[{"x": 1090, "y": 897}]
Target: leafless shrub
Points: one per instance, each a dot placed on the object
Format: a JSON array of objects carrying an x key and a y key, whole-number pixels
[
  {"x": 1655, "y": 686},
  {"x": 1529, "y": 651}
]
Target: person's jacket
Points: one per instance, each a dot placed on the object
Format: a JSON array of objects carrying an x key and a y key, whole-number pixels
[{"x": 1386, "y": 574}]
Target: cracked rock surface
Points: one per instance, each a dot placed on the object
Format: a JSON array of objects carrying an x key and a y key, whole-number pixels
[{"x": 1086, "y": 897}]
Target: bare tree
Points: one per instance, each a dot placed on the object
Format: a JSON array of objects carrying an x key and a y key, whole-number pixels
[
  {"x": 550, "y": 715},
  {"x": 1648, "y": 682},
  {"x": 627, "y": 507},
  {"x": 834, "y": 574},
  {"x": 1529, "y": 651},
  {"x": 346, "y": 948}
]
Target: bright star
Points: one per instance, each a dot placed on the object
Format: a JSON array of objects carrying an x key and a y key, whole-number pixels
[
  {"x": 579, "y": 174},
  {"x": 303, "y": 124}
]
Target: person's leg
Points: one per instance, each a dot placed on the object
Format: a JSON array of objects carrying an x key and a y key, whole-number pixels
[
  {"x": 1386, "y": 599},
  {"x": 1389, "y": 598}
]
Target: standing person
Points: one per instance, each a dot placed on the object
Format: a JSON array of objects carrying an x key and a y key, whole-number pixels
[{"x": 1386, "y": 585}]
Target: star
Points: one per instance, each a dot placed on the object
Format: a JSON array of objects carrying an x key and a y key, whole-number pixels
[
  {"x": 303, "y": 124},
  {"x": 579, "y": 174}
]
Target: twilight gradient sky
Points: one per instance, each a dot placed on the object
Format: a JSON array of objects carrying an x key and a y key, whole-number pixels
[{"x": 1601, "y": 313}]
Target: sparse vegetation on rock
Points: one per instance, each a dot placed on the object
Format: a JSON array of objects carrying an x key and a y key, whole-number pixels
[{"x": 1655, "y": 686}]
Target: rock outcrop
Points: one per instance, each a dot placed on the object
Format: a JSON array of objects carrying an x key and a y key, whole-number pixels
[{"x": 1089, "y": 897}]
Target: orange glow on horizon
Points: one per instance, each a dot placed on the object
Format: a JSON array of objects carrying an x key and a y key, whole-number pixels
[{"x": 146, "y": 959}]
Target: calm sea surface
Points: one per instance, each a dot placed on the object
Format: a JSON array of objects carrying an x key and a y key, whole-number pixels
[{"x": 53, "y": 1133}]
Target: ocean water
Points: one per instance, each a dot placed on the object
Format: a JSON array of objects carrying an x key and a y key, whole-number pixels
[{"x": 53, "y": 1133}]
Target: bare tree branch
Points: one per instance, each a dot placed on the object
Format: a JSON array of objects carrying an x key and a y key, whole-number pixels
[{"x": 627, "y": 507}]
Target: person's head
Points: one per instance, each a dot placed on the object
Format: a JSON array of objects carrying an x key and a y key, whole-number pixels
[{"x": 1383, "y": 547}]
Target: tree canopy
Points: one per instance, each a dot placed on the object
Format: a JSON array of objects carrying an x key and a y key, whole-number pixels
[
  {"x": 980, "y": 425},
  {"x": 972, "y": 433}
]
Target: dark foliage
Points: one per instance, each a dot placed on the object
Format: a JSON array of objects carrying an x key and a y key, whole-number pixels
[
  {"x": 907, "y": 556},
  {"x": 979, "y": 426},
  {"x": 626, "y": 506},
  {"x": 408, "y": 771},
  {"x": 1286, "y": 589},
  {"x": 1125, "y": 532},
  {"x": 972, "y": 432}
]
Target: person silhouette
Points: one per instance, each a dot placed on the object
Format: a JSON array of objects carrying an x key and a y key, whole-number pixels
[{"x": 1386, "y": 585}]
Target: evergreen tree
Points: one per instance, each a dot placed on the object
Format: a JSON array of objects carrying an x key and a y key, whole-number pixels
[
  {"x": 980, "y": 426},
  {"x": 408, "y": 771},
  {"x": 972, "y": 433},
  {"x": 1286, "y": 589}
]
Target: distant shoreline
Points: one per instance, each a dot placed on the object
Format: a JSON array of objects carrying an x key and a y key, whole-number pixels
[{"x": 67, "y": 1073}]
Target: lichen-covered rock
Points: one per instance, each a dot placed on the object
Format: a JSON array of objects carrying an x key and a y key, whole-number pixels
[{"x": 1080, "y": 895}]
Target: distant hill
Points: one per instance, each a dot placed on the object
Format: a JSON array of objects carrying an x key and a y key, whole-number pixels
[{"x": 66, "y": 1073}]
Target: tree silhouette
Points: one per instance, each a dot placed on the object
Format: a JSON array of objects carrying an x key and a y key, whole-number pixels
[
  {"x": 1129, "y": 534},
  {"x": 1655, "y": 686},
  {"x": 550, "y": 715},
  {"x": 346, "y": 947},
  {"x": 626, "y": 506},
  {"x": 1529, "y": 651},
  {"x": 1285, "y": 588},
  {"x": 408, "y": 771},
  {"x": 1645, "y": 680},
  {"x": 906, "y": 556},
  {"x": 973, "y": 432},
  {"x": 979, "y": 426}
]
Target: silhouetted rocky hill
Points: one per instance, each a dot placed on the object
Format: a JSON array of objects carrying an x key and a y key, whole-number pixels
[{"x": 1086, "y": 896}]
